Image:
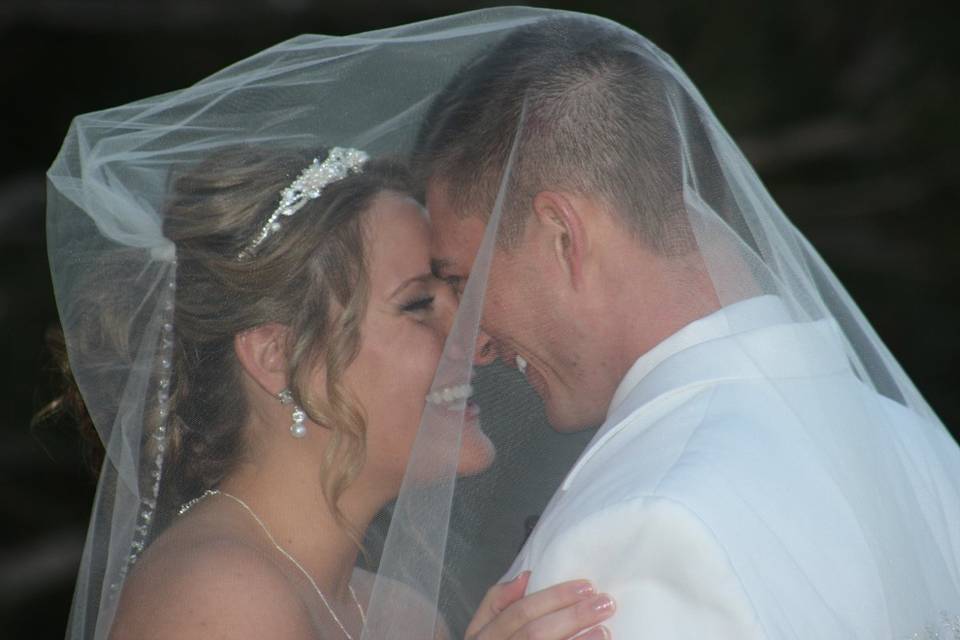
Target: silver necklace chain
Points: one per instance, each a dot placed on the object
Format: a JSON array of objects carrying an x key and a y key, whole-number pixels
[{"x": 216, "y": 492}]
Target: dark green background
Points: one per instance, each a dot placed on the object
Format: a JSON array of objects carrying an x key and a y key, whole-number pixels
[{"x": 849, "y": 113}]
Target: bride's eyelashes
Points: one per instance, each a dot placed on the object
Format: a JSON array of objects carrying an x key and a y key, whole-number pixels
[{"x": 420, "y": 304}]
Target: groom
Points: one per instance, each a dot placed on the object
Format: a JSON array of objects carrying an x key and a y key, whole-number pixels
[{"x": 701, "y": 504}]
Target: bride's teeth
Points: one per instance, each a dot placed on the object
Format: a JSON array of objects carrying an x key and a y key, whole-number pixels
[
  {"x": 521, "y": 364},
  {"x": 448, "y": 395}
]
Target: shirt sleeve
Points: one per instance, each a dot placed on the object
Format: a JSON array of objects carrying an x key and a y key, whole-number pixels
[{"x": 670, "y": 577}]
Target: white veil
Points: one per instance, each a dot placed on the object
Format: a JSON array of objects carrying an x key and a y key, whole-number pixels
[{"x": 377, "y": 91}]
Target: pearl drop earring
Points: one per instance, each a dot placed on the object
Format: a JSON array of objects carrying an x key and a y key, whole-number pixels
[{"x": 298, "y": 429}]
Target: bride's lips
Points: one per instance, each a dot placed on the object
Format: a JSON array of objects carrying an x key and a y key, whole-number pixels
[
  {"x": 472, "y": 410},
  {"x": 450, "y": 395},
  {"x": 455, "y": 399}
]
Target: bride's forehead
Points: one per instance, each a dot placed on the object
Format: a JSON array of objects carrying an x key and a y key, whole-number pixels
[
  {"x": 392, "y": 213},
  {"x": 398, "y": 241}
]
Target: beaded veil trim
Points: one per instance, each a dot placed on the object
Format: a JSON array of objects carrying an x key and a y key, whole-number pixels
[{"x": 151, "y": 493}]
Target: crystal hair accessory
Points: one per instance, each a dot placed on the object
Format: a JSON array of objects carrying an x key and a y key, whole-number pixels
[{"x": 309, "y": 185}]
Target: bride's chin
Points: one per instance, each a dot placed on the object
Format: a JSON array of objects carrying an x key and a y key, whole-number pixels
[{"x": 477, "y": 452}]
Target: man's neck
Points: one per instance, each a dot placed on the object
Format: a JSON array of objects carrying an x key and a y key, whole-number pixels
[{"x": 652, "y": 299}]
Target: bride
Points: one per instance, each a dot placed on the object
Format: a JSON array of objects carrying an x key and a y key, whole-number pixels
[
  {"x": 253, "y": 325},
  {"x": 303, "y": 338}
]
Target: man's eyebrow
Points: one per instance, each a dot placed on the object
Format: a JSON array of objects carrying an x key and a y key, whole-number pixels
[{"x": 439, "y": 265}]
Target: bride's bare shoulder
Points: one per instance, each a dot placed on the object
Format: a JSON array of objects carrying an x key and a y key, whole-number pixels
[{"x": 209, "y": 586}]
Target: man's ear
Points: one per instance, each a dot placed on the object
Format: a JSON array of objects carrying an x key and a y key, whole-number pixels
[
  {"x": 262, "y": 355},
  {"x": 560, "y": 216}
]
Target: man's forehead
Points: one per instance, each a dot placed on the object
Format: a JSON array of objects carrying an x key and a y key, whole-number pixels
[
  {"x": 454, "y": 237},
  {"x": 452, "y": 246}
]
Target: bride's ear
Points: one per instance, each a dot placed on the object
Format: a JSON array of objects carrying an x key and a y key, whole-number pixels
[{"x": 261, "y": 353}]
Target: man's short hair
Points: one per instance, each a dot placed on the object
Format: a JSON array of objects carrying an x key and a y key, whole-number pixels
[{"x": 596, "y": 121}]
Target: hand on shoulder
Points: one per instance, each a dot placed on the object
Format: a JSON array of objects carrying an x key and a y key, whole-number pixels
[{"x": 557, "y": 612}]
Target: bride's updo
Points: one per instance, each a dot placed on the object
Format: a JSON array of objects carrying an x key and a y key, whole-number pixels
[{"x": 310, "y": 276}]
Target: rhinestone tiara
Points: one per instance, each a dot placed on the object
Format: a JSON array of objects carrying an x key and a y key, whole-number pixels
[{"x": 339, "y": 163}]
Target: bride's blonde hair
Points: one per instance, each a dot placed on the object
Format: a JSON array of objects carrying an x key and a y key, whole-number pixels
[{"x": 311, "y": 277}]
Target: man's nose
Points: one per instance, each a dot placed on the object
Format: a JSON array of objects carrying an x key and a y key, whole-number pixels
[{"x": 484, "y": 351}]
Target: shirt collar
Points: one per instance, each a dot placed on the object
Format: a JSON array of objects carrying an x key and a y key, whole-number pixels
[
  {"x": 745, "y": 315},
  {"x": 754, "y": 338}
]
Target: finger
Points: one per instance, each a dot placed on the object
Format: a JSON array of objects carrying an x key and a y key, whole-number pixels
[
  {"x": 571, "y": 620},
  {"x": 537, "y": 605},
  {"x": 498, "y": 597},
  {"x": 510, "y": 592},
  {"x": 597, "y": 633}
]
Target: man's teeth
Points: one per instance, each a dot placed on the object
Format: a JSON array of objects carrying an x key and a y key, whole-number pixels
[
  {"x": 521, "y": 364},
  {"x": 449, "y": 395}
]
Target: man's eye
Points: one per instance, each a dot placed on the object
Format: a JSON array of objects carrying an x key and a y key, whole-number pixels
[{"x": 420, "y": 304}]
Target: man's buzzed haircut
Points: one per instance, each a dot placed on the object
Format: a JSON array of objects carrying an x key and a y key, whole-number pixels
[{"x": 596, "y": 121}]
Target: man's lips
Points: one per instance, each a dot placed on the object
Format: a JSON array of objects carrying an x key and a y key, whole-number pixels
[{"x": 521, "y": 364}]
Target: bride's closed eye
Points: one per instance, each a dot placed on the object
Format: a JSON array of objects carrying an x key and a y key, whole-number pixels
[{"x": 419, "y": 304}]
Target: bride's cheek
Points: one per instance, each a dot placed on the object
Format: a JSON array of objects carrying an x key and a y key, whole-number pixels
[{"x": 418, "y": 354}]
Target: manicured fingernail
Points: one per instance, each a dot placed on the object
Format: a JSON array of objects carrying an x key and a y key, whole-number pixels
[
  {"x": 520, "y": 575},
  {"x": 597, "y": 633},
  {"x": 585, "y": 589},
  {"x": 604, "y": 604}
]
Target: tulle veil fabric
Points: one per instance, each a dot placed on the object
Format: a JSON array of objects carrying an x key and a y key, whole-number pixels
[{"x": 453, "y": 539}]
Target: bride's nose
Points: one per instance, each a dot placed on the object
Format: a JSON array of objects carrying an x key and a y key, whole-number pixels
[{"x": 445, "y": 310}]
